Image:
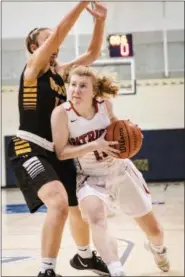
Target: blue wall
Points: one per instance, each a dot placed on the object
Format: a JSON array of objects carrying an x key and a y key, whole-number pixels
[{"x": 161, "y": 158}]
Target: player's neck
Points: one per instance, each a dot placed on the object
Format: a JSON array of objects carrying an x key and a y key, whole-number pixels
[{"x": 86, "y": 112}]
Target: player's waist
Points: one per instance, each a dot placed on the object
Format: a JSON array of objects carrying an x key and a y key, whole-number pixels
[
  {"x": 92, "y": 167},
  {"x": 42, "y": 142}
]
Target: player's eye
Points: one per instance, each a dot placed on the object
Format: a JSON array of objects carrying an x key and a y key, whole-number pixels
[{"x": 83, "y": 86}]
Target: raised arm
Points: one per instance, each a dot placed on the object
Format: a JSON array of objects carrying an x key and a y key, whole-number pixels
[
  {"x": 41, "y": 56},
  {"x": 94, "y": 48}
]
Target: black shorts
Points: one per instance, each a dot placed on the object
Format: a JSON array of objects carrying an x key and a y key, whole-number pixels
[{"x": 34, "y": 166}]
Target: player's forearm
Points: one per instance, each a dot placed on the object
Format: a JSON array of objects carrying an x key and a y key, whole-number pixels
[
  {"x": 69, "y": 20},
  {"x": 41, "y": 57},
  {"x": 71, "y": 152},
  {"x": 94, "y": 48}
]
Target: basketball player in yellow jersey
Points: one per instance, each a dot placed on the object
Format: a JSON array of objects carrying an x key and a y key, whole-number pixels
[
  {"x": 42, "y": 177},
  {"x": 102, "y": 177}
]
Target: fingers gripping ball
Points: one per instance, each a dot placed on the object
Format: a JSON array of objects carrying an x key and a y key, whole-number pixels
[{"x": 128, "y": 135}]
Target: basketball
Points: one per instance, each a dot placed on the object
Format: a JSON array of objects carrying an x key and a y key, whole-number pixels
[{"x": 128, "y": 135}]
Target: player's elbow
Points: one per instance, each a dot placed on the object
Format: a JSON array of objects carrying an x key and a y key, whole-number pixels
[
  {"x": 93, "y": 55},
  {"x": 97, "y": 55},
  {"x": 62, "y": 156},
  {"x": 58, "y": 152}
]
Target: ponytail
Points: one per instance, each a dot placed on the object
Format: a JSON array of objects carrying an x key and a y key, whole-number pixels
[{"x": 106, "y": 87}]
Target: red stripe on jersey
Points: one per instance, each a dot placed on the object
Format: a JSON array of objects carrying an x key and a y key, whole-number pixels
[
  {"x": 100, "y": 102},
  {"x": 95, "y": 103},
  {"x": 69, "y": 109},
  {"x": 72, "y": 107}
]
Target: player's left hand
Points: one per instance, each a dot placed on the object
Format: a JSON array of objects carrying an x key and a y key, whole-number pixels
[{"x": 99, "y": 11}]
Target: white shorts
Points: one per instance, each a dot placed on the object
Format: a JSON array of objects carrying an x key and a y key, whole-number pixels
[{"x": 123, "y": 186}]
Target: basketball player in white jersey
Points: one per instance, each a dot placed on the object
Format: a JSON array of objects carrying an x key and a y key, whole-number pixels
[{"x": 78, "y": 128}]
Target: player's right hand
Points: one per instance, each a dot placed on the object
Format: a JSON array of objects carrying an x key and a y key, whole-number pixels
[
  {"x": 98, "y": 10},
  {"x": 106, "y": 146}
]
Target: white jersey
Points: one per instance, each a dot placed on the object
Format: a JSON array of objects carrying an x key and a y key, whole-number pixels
[
  {"x": 82, "y": 131},
  {"x": 111, "y": 180}
]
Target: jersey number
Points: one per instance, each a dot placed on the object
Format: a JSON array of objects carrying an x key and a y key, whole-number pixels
[{"x": 99, "y": 156}]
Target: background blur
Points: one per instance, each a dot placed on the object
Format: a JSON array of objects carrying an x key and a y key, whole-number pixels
[
  {"x": 157, "y": 102},
  {"x": 147, "y": 21}
]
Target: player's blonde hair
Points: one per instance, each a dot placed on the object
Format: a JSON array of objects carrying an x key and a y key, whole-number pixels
[{"x": 103, "y": 85}]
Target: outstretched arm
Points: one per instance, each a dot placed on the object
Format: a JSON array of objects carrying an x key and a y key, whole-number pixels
[
  {"x": 41, "y": 56},
  {"x": 94, "y": 48}
]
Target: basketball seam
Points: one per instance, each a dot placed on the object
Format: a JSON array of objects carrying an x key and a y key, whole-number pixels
[
  {"x": 113, "y": 132},
  {"x": 128, "y": 137}
]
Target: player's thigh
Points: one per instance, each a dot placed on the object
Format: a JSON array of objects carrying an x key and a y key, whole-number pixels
[
  {"x": 32, "y": 174},
  {"x": 134, "y": 196},
  {"x": 66, "y": 171}
]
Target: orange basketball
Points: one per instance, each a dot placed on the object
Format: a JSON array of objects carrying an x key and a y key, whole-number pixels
[{"x": 129, "y": 136}]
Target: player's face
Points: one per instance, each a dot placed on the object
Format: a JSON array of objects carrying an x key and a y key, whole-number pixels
[
  {"x": 43, "y": 35},
  {"x": 81, "y": 90}
]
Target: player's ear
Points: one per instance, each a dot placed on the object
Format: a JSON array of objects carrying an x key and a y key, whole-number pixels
[{"x": 33, "y": 47}]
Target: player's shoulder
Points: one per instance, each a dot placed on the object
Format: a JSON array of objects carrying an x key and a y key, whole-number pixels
[
  {"x": 108, "y": 103},
  {"x": 105, "y": 101},
  {"x": 99, "y": 100},
  {"x": 59, "y": 111},
  {"x": 67, "y": 106}
]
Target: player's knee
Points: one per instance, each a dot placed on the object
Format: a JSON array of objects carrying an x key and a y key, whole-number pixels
[
  {"x": 96, "y": 215},
  {"x": 59, "y": 206},
  {"x": 56, "y": 200}
]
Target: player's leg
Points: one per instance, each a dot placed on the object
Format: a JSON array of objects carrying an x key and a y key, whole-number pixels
[
  {"x": 134, "y": 190},
  {"x": 153, "y": 230},
  {"x": 38, "y": 183},
  {"x": 79, "y": 228},
  {"x": 54, "y": 196},
  {"x": 80, "y": 232},
  {"x": 94, "y": 210}
]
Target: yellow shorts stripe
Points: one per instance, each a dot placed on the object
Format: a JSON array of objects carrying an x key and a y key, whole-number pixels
[{"x": 23, "y": 151}]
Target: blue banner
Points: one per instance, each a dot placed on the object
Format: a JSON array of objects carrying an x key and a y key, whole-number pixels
[{"x": 161, "y": 158}]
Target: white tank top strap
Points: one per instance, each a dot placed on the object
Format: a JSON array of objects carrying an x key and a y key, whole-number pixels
[
  {"x": 66, "y": 105},
  {"x": 72, "y": 116},
  {"x": 102, "y": 106}
]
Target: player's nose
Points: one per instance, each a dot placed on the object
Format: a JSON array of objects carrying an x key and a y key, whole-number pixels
[{"x": 77, "y": 90}]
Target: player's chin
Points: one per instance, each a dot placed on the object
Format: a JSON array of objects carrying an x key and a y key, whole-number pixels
[{"x": 76, "y": 101}]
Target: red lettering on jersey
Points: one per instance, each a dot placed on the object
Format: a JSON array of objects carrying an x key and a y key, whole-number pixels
[
  {"x": 97, "y": 155},
  {"x": 91, "y": 136},
  {"x": 88, "y": 137},
  {"x": 72, "y": 141},
  {"x": 83, "y": 137},
  {"x": 101, "y": 132},
  {"x": 97, "y": 134},
  {"x": 104, "y": 154},
  {"x": 78, "y": 141}
]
